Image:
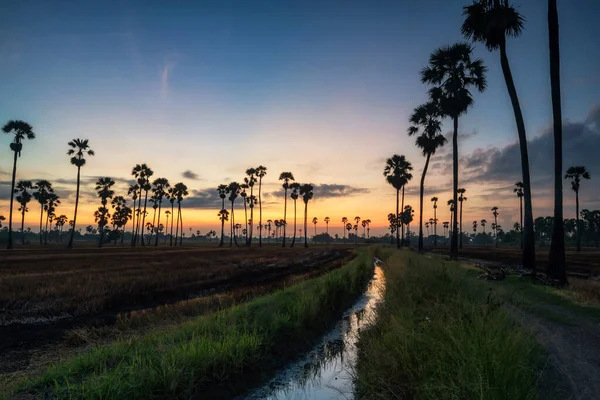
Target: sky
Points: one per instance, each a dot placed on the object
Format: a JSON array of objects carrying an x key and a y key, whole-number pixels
[{"x": 201, "y": 91}]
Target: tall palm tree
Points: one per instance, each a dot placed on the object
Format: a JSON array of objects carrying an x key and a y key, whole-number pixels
[
  {"x": 483, "y": 222},
  {"x": 393, "y": 225},
  {"x": 161, "y": 185},
  {"x": 327, "y": 219},
  {"x": 315, "y": 221},
  {"x": 364, "y": 225},
  {"x": 143, "y": 173},
  {"x": 576, "y": 174},
  {"x": 251, "y": 181},
  {"x": 306, "y": 191},
  {"x": 61, "y": 220},
  {"x": 349, "y": 228},
  {"x": 397, "y": 173},
  {"x": 261, "y": 171},
  {"x": 345, "y": 221},
  {"x": 222, "y": 190},
  {"x": 133, "y": 192},
  {"x": 434, "y": 200},
  {"x": 120, "y": 215},
  {"x": 50, "y": 208},
  {"x": 167, "y": 214},
  {"x": 23, "y": 197},
  {"x": 269, "y": 227},
  {"x": 495, "y": 213},
  {"x": 20, "y": 130},
  {"x": 490, "y": 22},
  {"x": 42, "y": 194},
  {"x": 233, "y": 190},
  {"x": 451, "y": 204},
  {"x": 425, "y": 122},
  {"x": 556, "y": 266},
  {"x": 357, "y": 220},
  {"x": 172, "y": 196},
  {"x": 407, "y": 217},
  {"x": 180, "y": 191},
  {"x": 286, "y": 177},
  {"x": 244, "y": 197},
  {"x": 453, "y": 72},
  {"x": 461, "y": 198},
  {"x": 295, "y": 190},
  {"x": 105, "y": 192},
  {"x": 79, "y": 148},
  {"x": 519, "y": 191}
]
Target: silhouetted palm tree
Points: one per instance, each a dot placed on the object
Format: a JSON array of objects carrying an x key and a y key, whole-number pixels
[
  {"x": 143, "y": 173},
  {"x": 427, "y": 226},
  {"x": 233, "y": 190},
  {"x": 269, "y": 226},
  {"x": 306, "y": 191},
  {"x": 261, "y": 171},
  {"x": 250, "y": 181},
  {"x": 244, "y": 196},
  {"x": 105, "y": 192},
  {"x": 397, "y": 173},
  {"x": 167, "y": 214},
  {"x": 345, "y": 221},
  {"x": 223, "y": 216},
  {"x": 121, "y": 215},
  {"x": 434, "y": 200},
  {"x": 23, "y": 197},
  {"x": 133, "y": 191},
  {"x": 327, "y": 219},
  {"x": 315, "y": 221},
  {"x": 61, "y": 220},
  {"x": 445, "y": 224},
  {"x": 451, "y": 204},
  {"x": 461, "y": 198},
  {"x": 172, "y": 196},
  {"x": 576, "y": 174},
  {"x": 79, "y": 148},
  {"x": 357, "y": 220},
  {"x": 43, "y": 189},
  {"x": 50, "y": 208},
  {"x": 20, "y": 130},
  {"x": 407, "y": 217},
  {"x": 180, "y": 191},
  {"x": 286, "y": 177},
  {"x": 425, "y": 122},
  {"x": 475, "y": 227},
  {"x": 490, "y": 22},
  {"x": 519, "y": 191},
  {"x": 295, "y": 190},
  {"x": 222, "y": 190},
  {"x": 453, "y": 72},
  {"x": 161, "y": 185},
  {"x": 483, "y": 222},
  {"x": 495, "y": 213},
  {"x": 393, "y": 226}
]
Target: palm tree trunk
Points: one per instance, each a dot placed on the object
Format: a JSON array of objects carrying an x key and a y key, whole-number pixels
[
  {"x": 285, "y": 216},
  {"x": 556, "y": 264},
  {"x": 578, "y": 222},
  {"x": 153, "y": 227},
  {"x": 172, "y": 218},
  {"x": 101, "y": 235},
  {"x": 222, "y": 223},
  {"x": 180, "y": 215},
  {"x": 12, "y": 194},
  {"x": 461, "y": 231},
  {"x": 144, "y": 218},
  {"x": 434, "y": 227},
  {"x": 529, "y": 239},
  {"x": 260, "y": 211},
  {"x": 158, "y": 223},
  {"x": 132, "y": 224},
  {"x": 251, "y": 216},
  {"x": 422, "y": 190},
  {"x": 46, "y": 231},
  {"x": 294, "y": 239},
  {"x": 305, "y": 224},
  {"x": 177, "y": 226},
  {"x": 41, "y": 217},
  {"x": 453, "y": 240},
  {"x": 397, "y": 219},
  {"x": 234, "y": 234},
  {"x": 246, "y": 218},
  {"x": 451, "y": 225},
  {"x": 402, "y": 209},
  {"x": 137, "y": 226},
  {"x": 521, "y": 211},
  {"x": 23, "y": 225}
]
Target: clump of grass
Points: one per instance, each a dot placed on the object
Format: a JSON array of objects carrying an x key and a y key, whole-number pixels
[
  {"x": 585, "y": 291},
  {"x": 212, "y": 351},
  {"x": 441, "y": 334}
]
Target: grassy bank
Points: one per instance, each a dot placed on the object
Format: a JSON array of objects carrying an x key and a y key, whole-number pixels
[
  {"x": 208, "y": 355},
  {"x": 442, "y": 334}
]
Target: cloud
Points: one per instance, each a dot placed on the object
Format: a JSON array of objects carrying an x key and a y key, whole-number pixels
[
  {"x": 188, "y": 174},
  {"x": 324, "y": 191},
  {"x": 203, "y": 199},
  {"x": 165, "y": 74}
]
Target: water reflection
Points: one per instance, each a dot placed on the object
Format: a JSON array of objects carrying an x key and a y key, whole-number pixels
[{"x": 325, "y": 371}]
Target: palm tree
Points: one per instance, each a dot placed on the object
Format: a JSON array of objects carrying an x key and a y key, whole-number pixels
[
  {"x": 286, "y": 177},
  {"x": 23, "y": 197},
  {"x": 345, "y": 221},
  {"x": 451, "y": 204},
  {"x": 461, "y": 198},
  {"x": 61, "y": 220},
  {"x": 222, "y": 190},
  {"x": 172, "y": 196},
  {"x": 180, "y": 191},
  {"x": 426, "y": 124},
  {"x": 490, "y": 22},
  {"x": 445, "y": 224},
  {"x": 393, "y": 225},
  {"x": 251, "y": 180},
  {"x": 434, "y": 200},
  {"x": 161, "y": 185},
  {"x": 269, "y": 226},
  {"x": 576, "y": 174},
  {"x": 295, "y": 189},
  {"x": 167, "y": 213},
  {"x": 50, "y": 208},
  {"x": 452, "y": 72},
  {"x": 105, "y": 192},
  {"x": 483, "y": 222},
  {"x": 357, "y": 220},
  {"x": 495, "y": 212},
  {"x": 364, "y": 225},
  {"x": 314, "y": 221},
  {"x": 261, "y": 171},
  {"x": 327, "y": 219},
  {"x": 79, "y": 148},
  {"x": 397, "y": 173},
  {"x": 121, "y": 214},
  {"x": 21, "y": 130},
  {"x": 349, "y": 228},
  {"x": 368, "y": 221},
  {"x": 306, "y": 191},
  {"x": 234, "y": 190},
  {"x": 143, "y": 173},
  {"x": 427, "y": 226},
  {"x": 43, "y": 189},
  {"x": 407, "y": 217},
  {"x": 556, "y": 266},
  {"x": 519, "y": 191},
  {"x": 475, "y": 227},
  {"x": 133, "y": 192},
  {"x": 244, "y": 197}
]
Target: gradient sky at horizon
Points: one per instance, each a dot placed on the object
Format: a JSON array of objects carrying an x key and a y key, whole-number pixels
[{"x": 320, "y": 88}]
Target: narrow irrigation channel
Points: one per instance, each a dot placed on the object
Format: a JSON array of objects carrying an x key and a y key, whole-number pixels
[{"x": 325, "y": 372}]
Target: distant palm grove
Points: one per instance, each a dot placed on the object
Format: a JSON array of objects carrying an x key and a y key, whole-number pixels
[{"x": 151, "y": 212}]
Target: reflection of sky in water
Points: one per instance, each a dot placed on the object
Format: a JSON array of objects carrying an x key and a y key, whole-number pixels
[{"x": 326, "y": 371}]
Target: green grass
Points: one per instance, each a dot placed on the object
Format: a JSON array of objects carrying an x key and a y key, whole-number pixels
[
  {"x": 211, "y": 353},
  {"x": 442, "y": 334}
]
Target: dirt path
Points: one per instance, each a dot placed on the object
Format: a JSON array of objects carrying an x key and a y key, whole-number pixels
[{"x": 573, "y": 371}]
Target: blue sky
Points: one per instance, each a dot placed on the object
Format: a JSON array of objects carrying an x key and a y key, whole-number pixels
[{"x": 216, "y": 86}]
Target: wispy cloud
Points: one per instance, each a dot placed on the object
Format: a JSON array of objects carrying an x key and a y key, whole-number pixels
[
  {"x": 166, "y": 73},
  {"x": 189, "y": 174}
]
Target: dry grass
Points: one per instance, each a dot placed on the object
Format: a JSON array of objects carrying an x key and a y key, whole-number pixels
[{"x": 584, "y": 291}]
